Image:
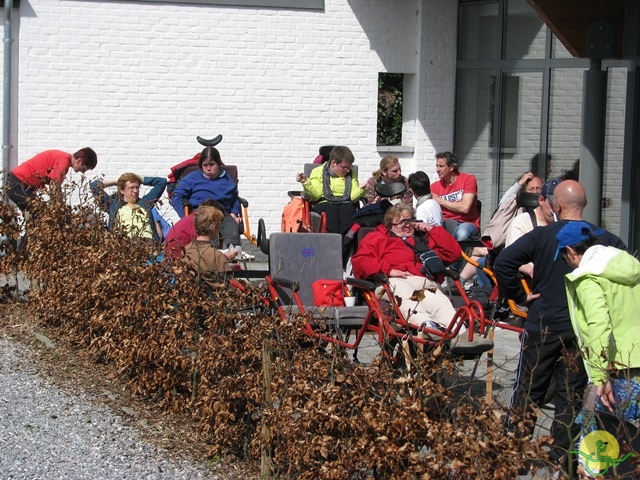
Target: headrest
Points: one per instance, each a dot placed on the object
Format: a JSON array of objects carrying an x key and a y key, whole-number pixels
[
  {"x": 389, "y": 189},
  {"x": 209, "y": 143},
  {"x": 527, "y": 200}
]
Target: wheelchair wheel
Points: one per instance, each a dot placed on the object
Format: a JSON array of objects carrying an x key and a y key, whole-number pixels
[{"x": 262, "y": 232}]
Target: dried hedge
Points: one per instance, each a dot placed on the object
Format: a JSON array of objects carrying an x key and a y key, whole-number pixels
[{"x": 154, "y": 325}]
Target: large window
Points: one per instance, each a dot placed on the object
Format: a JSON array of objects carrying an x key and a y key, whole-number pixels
[{"x": 518, "y": 97}]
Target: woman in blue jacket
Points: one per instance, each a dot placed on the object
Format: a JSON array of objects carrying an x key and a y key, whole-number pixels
[{"x": 211, "y": 182}]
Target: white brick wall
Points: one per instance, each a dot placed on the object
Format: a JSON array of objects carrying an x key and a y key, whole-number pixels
[{"x": 138, "y": 82}]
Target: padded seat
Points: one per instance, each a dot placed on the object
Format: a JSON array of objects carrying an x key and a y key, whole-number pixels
[
  {"x": 305, "y": 259},
  {"x": 340, "y": 317}
]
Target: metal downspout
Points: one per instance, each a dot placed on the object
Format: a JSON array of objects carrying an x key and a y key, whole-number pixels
[
  {"x": 6, "y": 92},
  {"x": 594, "y": 116}
]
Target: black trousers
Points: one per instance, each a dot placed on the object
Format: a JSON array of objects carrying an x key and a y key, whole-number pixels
[
  {"x": 339, "y": 216},
  {"x": 18, "y": 192},
  {"x": 544, "y": 356}
]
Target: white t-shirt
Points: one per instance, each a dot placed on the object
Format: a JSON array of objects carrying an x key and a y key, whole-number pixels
[
  {"x": 429, "y": 211},
  {"x": 520, "y": 225}
]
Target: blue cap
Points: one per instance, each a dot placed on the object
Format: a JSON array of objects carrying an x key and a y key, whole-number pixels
[
  {"x": 549, "y": 187},
  {"x": 572, "y": 233}
]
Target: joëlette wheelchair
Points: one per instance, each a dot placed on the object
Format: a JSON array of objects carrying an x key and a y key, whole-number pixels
[{"x": 179, "y": 171}]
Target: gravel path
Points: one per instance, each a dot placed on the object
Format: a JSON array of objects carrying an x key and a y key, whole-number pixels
[{"x": 46, "y": 433}]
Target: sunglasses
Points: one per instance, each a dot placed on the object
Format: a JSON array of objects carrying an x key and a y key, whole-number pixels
[{"x": 404, "y": 223}]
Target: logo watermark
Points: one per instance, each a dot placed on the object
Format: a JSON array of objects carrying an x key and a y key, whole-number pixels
[{"x": 599, "y": 451}]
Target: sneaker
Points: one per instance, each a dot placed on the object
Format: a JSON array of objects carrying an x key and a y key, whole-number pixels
[{"x": 244, "y": 256}]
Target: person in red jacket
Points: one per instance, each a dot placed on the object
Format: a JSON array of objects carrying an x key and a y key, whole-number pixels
[{"x": 391, "y": 250}]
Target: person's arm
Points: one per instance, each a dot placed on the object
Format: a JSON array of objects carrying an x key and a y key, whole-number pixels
[
  {"x": 313, "y": 184},
  {"x": 508, "y": 263},
  {"x": 181, "y": 192},
  {"x": 516, "y": 187},
  {"x": 97, "y": 189},
  {"x": 356, "y": 191},
  {"x": 59, "y": 170},
  {"x": 463, "y": 206},
  {"x": 235, "y": 208},
  {"x": 443, "y": 243},
  {"x": 367, "y": 260},
  {"x": 596, "y": 333},
  {"x": 512, "y": 192},
  {"x": 370, "y": 194},
  {"x": 157, "y": 184}
]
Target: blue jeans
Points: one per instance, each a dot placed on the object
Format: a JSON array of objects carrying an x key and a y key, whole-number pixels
[
  {"x": 464, "y": 231},
  {"x": 482, "y": 278},
  {"x": 229, "y": 231}
]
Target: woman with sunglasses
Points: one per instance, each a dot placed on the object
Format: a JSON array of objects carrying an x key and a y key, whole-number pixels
[{"x": 393, "y": 250}]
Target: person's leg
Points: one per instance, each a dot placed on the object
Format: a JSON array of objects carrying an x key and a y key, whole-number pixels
[
  {"x": 468, "y": 272},
  {"x": 404, "y": 289},
  {"x": 435, "y": 306},
  {"x": 571, "y": 381},
  {"x": 345, "y": 216},
  {"x": 626, "y": 391},
  {"x": 464, "y": 231},
  {"x": 333, "y": 219},
  {"x": 482, "y": 278},
  {"x": 439, "y": 305},
  {"x": 534, "y": 372},
  {"x": 229, "y": 233},
  {"x": 18, "y": 192}
]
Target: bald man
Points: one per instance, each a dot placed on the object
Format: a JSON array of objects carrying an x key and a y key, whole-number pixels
[{"x": 548, "y": 331}]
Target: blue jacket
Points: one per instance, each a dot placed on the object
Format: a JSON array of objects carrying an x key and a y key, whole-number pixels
[
  {"x": 113, "y": 204},
  {"x": 196, "y": 188}
]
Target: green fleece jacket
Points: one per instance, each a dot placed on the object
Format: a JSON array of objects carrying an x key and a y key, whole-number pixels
[
  {"x": 313, "y": 186},
  {"x": 603, "y": 294}
]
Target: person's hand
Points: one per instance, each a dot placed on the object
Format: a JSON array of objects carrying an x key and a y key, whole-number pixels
[
  {"x": 437, "y": 198},
  {"x": 301, "y": 177},
  {"x": 526, "y": 178},
  {"x": 420, "y": 226},
  {"x": 605, "y": 394},
  {"x": 527, "y": 269},
  {"x": 230, "y": 254},
  {"x": 399, "y": 273},
  {"x": 236, "y": 218},
  {"x": 532, "y": 296}
]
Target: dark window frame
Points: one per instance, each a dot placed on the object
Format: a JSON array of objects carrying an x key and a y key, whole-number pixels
[{"x": 292, "y": 4}]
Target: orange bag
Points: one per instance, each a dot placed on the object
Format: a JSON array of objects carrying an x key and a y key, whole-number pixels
[
  {"x": 293, "y": 215},
  {"x": 328, "y": 293}
]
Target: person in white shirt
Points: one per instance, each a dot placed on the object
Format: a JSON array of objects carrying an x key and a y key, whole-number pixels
[{"x": 427, "y": 209}]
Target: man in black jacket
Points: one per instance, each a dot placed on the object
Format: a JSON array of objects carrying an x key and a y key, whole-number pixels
[{"x": 549, "y": 346}]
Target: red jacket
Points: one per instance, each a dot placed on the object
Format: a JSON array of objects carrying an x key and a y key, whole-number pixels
[{"x": 380, "y": 252}]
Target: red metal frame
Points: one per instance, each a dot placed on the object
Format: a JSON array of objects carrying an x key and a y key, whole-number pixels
[
  {"x": 373, "y": 322},
  {"x": 471, "y": 315}
]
